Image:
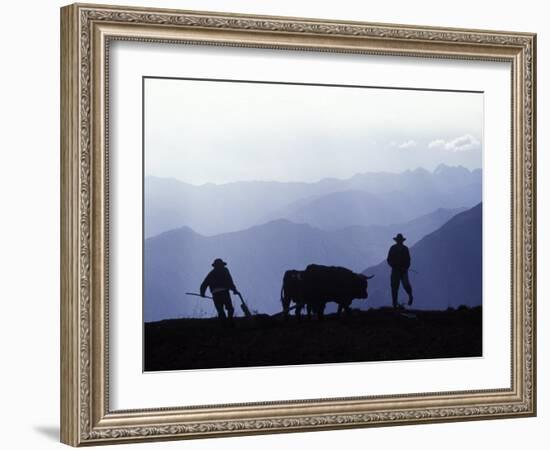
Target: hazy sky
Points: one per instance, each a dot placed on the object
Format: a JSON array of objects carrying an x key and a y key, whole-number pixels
[{"x": 218, "y": 132}]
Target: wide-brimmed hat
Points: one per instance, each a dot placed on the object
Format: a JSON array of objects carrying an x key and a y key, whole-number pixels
[
  {"x": 399, "y": 238},
  {"x": 218, "y": 262}
]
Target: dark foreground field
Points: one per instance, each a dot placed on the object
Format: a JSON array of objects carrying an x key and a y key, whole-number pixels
[{"x": 375, "y": 335}]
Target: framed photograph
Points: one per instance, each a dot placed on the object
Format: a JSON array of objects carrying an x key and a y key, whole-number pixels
[{"x": 275, "y": 224}]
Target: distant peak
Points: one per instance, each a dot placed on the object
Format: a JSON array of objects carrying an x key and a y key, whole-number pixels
[
  {"x": 444, "y": 168},
  {"x": 283, "y": 223},
  {"x": 420, "y": 170},
  {"x": 184, "y": 230},
  {"x": 441, "y": 168}
]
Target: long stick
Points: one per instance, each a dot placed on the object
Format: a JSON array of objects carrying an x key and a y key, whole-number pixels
[
  {"x": 197, "y": 295},
  {"x": 244, "y": 306}
]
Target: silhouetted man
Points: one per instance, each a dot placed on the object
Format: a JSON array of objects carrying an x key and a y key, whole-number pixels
[
  {"x": 220, "y": 283},
  {"x": 399, "y": 260}
]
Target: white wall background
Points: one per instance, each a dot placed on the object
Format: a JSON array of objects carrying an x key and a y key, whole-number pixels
[{"x": 29, "y": 234}]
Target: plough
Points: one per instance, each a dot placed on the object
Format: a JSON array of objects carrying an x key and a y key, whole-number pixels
[{"x": 243, "y": 305}]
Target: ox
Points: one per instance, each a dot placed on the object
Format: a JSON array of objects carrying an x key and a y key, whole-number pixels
[{"x": 318, "y": 285}]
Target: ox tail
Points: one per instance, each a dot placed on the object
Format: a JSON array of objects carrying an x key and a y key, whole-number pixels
[{"x": 284, "y": 303}]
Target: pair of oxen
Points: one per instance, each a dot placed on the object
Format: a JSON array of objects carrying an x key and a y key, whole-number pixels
[{"x": 317, "y": 285}]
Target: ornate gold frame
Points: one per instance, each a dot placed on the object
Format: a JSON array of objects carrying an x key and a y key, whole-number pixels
[{"x": 86, "y": 31}]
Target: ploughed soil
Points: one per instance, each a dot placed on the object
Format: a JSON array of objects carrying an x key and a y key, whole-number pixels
[{"x": 374, "y": 335}]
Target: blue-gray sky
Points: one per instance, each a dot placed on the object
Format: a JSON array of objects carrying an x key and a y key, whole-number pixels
[{"x": 218, "y": 132}]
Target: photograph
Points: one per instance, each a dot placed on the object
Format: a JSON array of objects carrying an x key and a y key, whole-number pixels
[
  {"x": 291, "y": 223},
  {"x": 294, "y": 222}
]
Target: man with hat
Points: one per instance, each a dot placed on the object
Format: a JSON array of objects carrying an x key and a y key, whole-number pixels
[
  {"x": 399, "y": 260},
  {"x": 220, "y": 283}
]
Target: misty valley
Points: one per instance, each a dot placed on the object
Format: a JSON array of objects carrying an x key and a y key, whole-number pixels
[{"x": 348, "y": 223}]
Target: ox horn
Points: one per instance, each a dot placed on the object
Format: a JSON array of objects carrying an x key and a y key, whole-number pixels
[{"x": 368, "y": 278}]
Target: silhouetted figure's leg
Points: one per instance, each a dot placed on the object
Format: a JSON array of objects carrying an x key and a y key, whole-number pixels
[
  {"x": 395, "y": 279},
  {"x": 218, "y": 303},
  {"x": 228, "y": 305},
  {"x": 230, "y": 310},
  {"x": 308, "y": 310},
  {"x": 340, "y": 307},
  {"x": 407, "y": 286}
]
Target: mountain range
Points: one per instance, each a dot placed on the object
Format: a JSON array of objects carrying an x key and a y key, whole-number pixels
[
  {"x": 375, "y": 198},
  {"x": 176, "y": 261}
]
